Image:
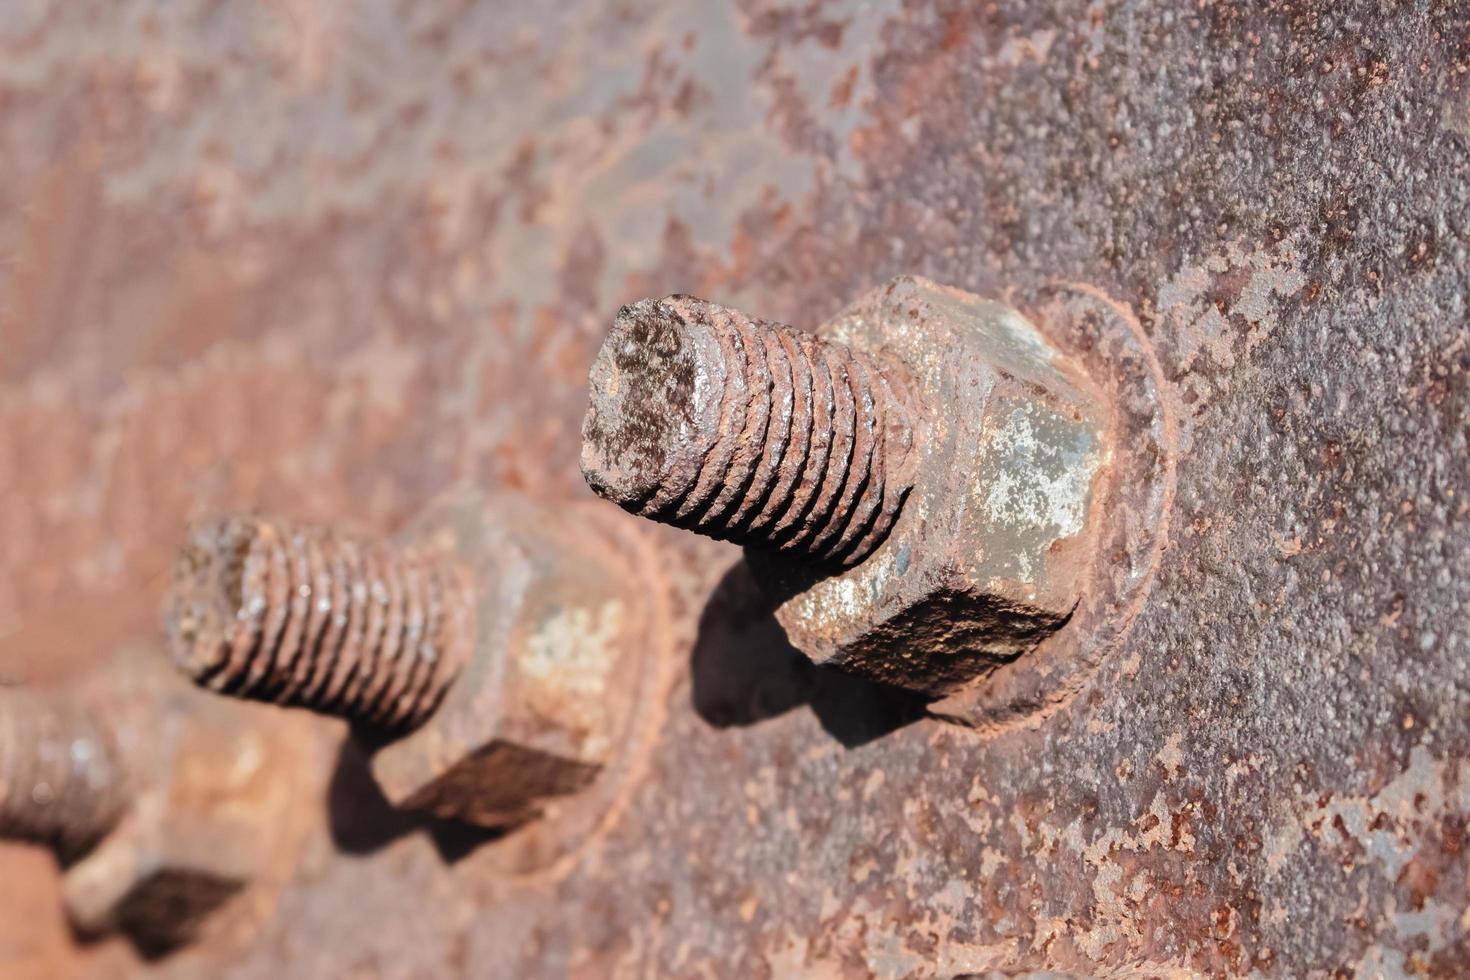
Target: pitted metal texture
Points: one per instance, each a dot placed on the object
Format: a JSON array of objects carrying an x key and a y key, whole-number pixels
[{"x": 329, "y": 257}]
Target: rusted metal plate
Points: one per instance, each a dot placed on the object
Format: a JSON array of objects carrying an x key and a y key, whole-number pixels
[{"x": 327, "y": 257}]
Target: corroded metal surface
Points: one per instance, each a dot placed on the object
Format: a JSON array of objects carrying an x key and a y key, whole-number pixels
[{"x": 327, "y": 257}]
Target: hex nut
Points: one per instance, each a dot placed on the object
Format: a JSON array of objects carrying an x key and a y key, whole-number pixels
[
  {"x": 546, "y": 698},
  {"x": 985, "y": 558}
]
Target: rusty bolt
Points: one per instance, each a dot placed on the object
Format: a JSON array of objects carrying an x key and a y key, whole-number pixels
[
  {"x": 309, "y": 616},
  {"x": 160, "y": 802},
  {"x": 707, "y": 419},
  {"x": 60, "y": 780},
  {"x": 488, "y": 658},
  {"x": 915, "y": 487}
]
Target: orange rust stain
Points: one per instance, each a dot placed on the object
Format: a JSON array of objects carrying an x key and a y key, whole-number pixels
[{"x": 842, "y": 91}]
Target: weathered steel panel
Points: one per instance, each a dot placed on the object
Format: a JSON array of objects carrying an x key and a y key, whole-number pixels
[{"x": 326, "y": 257}]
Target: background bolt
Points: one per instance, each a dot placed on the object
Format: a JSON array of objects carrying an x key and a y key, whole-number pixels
[
  {"x": 314, "y": 617},
  {"x": 60, "y": 781},
  {"x": 161, "y": 802},
  {"x": 750, "y": 431},
  {"x": 510, "y": 638}
]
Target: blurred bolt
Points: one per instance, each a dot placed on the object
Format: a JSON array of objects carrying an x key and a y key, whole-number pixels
[
  {"x": 319, "y": 618},
  {"x": 135, "y": 781},
  {"x": 60, "y": 781},
  {"x": 506, "y": 640}
]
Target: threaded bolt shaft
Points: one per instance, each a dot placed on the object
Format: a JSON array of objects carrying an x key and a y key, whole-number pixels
[
  {"x": 748, "y": 431},
  {"x": 313, "y": 617},
  {"x": 61, "y": 783}
]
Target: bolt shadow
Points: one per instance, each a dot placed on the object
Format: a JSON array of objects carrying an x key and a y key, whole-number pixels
[
  {"x": 744, "y": 671},
  {"x": 361, "y": 820}
]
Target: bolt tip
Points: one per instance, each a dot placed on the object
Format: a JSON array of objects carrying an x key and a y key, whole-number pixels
[
  {"x": 208, "y": 596},
  {"x": 651, "y": 416}
]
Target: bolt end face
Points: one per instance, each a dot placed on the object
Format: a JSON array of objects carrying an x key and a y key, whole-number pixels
[
  {"x": 212, "y": 594},
  {"x": 654, "y": 405}
]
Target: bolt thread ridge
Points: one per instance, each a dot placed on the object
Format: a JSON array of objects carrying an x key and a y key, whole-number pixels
[
  {"x": 314, "y": 617},
  {"x": 61, "y": 783},
  {"x": 744, "y": 430}
]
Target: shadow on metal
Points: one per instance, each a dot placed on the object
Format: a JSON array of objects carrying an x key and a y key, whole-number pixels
[
  {"x": 362, "y": 821},
  {"x": 744, "y": 671}
]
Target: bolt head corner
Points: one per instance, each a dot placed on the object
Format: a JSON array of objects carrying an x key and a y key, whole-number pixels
[{"x": 549, "y": 691}]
